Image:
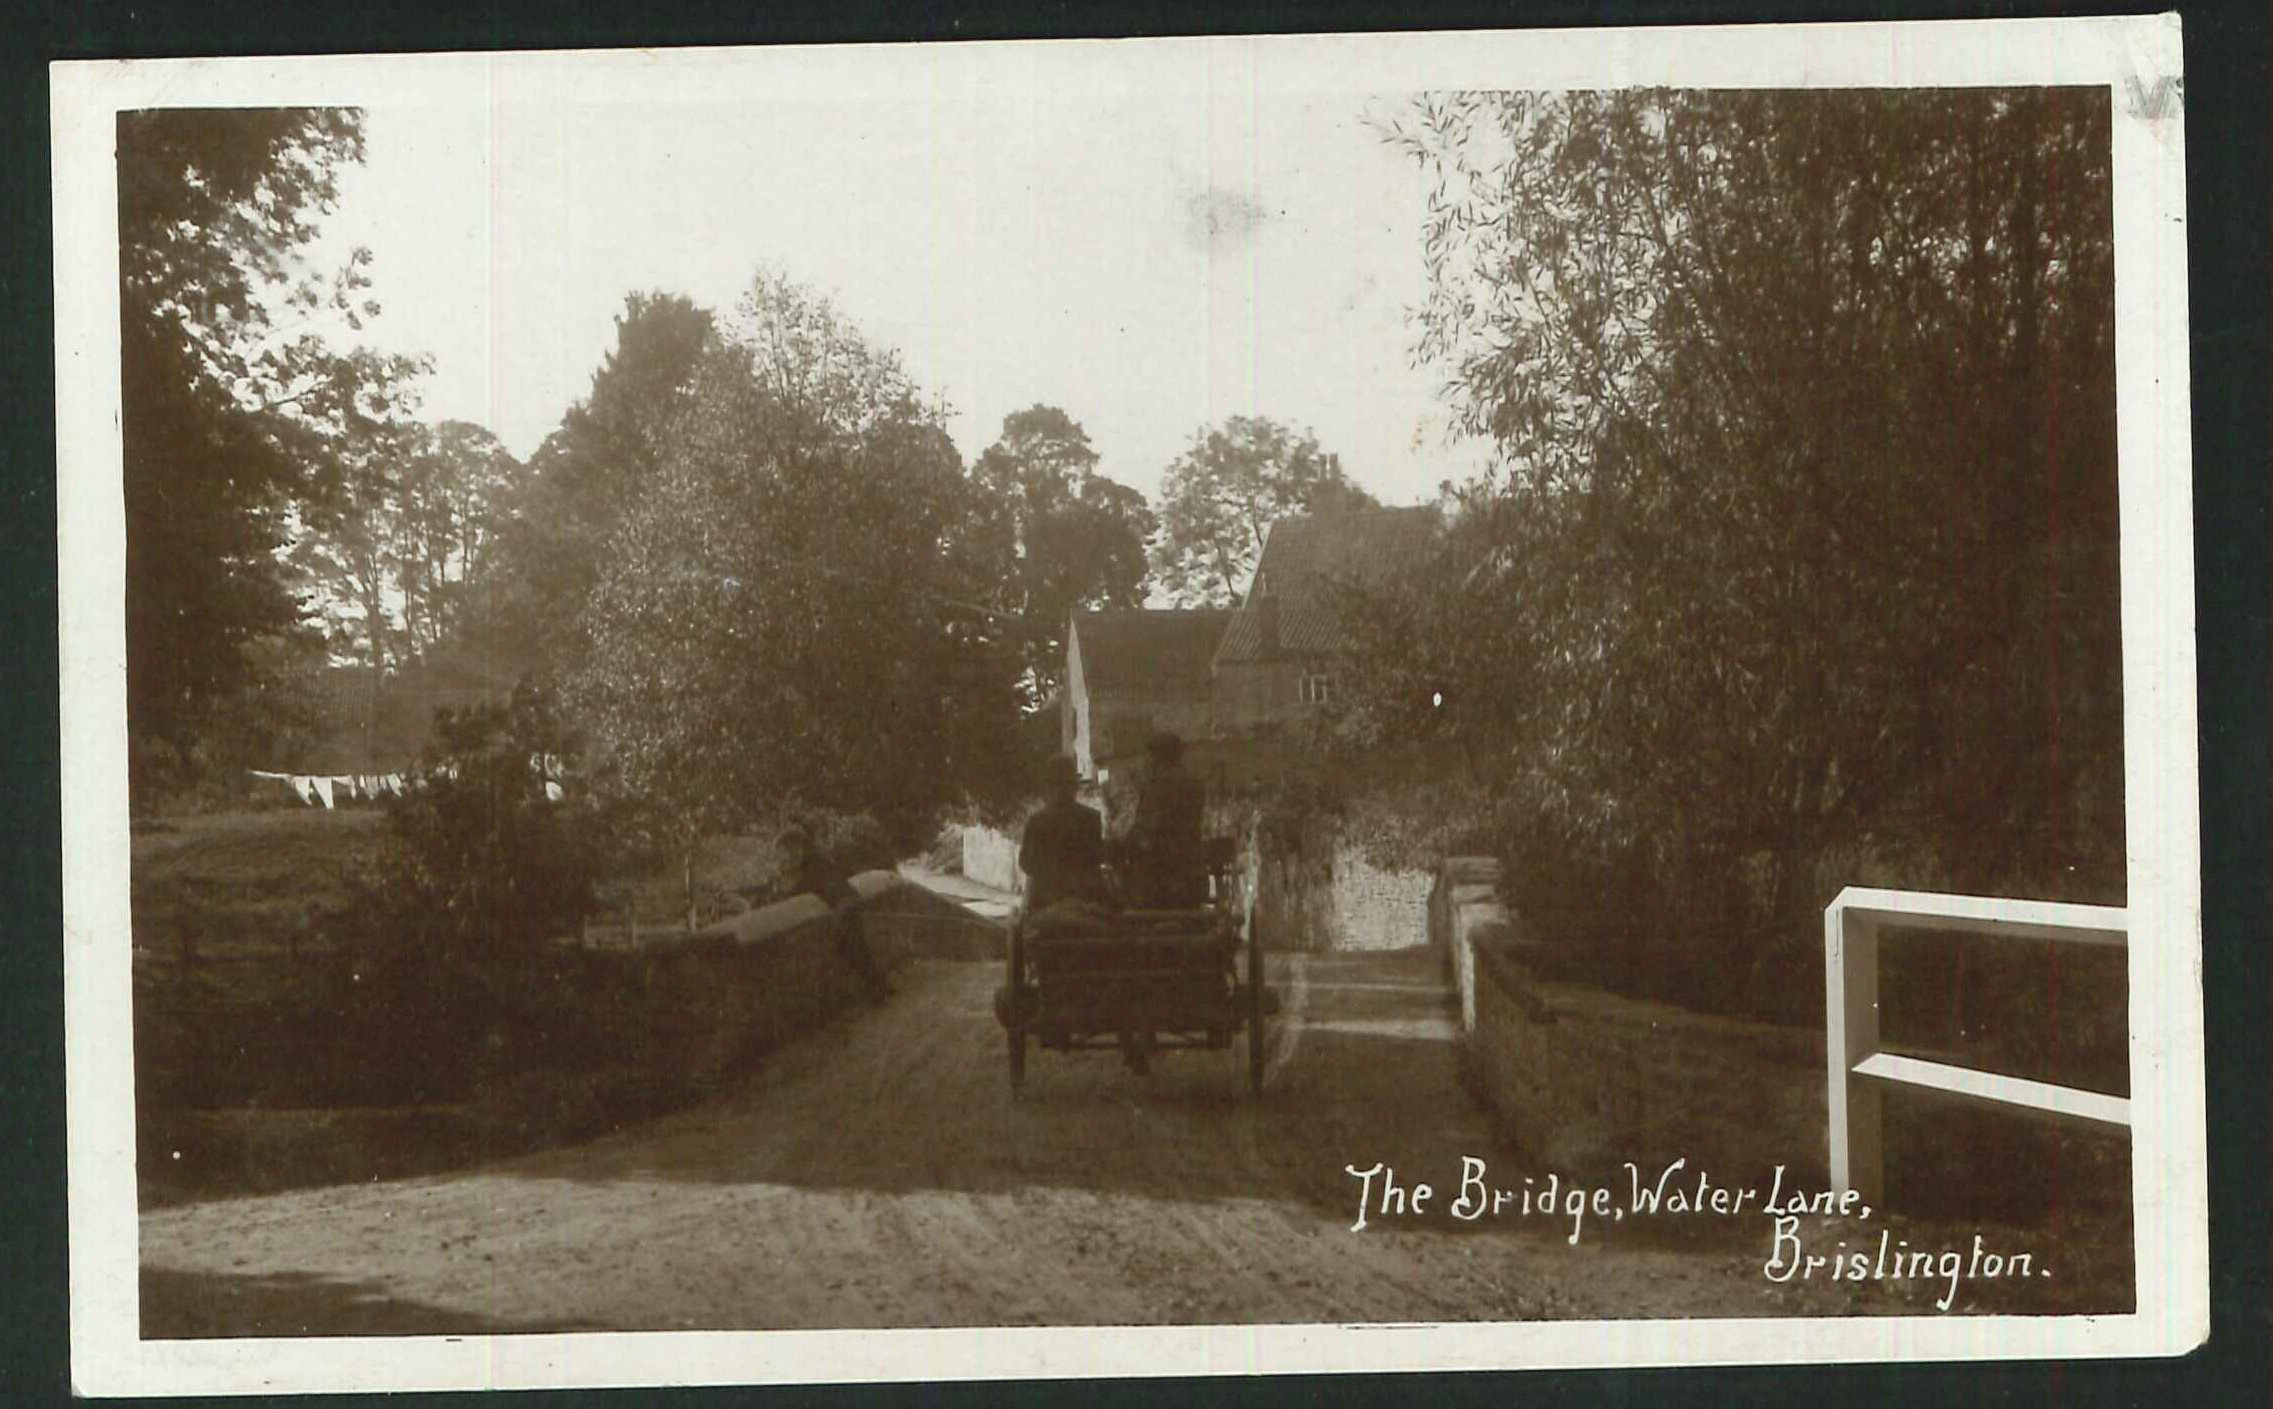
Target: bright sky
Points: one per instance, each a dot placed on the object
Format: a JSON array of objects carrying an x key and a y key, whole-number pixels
[{"x": 1150, "y": 266}]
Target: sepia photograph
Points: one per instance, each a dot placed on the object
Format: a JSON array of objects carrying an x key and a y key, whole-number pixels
[{"x": 1180, "y": 700}]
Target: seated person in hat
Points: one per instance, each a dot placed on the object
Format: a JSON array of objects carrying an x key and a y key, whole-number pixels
[
  {"x": 1063, "y": 845},
  {"x": 1062, "y": 852},
  {"x": 1168, "y": 865}
]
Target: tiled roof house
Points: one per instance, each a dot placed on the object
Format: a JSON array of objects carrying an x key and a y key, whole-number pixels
[
  {"x": 1216, "y": 673},
  {"x": 1279, "y": 655},
  {"x": 1132, "y": 673}
]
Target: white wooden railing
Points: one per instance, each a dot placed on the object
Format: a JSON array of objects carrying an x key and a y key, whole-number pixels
[{"x": 1859, "y": 1070}]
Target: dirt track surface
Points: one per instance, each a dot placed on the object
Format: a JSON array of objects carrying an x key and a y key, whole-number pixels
[{"x": 879, "y": 1174}]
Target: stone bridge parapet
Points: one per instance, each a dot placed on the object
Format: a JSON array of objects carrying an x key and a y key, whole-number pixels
[{"x": 1586, "y": 1080}]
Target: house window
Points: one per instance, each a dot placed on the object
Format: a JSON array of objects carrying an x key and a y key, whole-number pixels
[{"x": 1317, "y": 689}]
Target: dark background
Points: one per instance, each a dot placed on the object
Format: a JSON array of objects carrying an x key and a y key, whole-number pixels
[{"x": 2228, "y": 119}]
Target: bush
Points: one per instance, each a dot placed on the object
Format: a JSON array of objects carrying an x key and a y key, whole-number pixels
[
  {"x": 857, "y": 842},
  {"x": 448, "y": 964}
]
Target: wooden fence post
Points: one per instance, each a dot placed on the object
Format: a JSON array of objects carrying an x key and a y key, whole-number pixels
[
  {"x": 1850, "y": 972},
  {"x": 1858, "y": 1071}
]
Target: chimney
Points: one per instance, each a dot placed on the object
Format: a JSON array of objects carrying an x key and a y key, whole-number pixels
[{"x": 1267, "y": 623}]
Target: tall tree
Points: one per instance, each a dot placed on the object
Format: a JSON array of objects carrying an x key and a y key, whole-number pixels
[
  {"x": 233, "y": 398},
  {"x": 1221, "y": 496},
  {"x": 347, "y": 548},
  {"x": 387, "y": 558},
  {"x": 582, "y": 480},
  {"x": 1802, "y": 540},
  {"x": 788, "y": 616},
  {"x": 454, "y": 490},
  {"x": 1072, "y": 538}
]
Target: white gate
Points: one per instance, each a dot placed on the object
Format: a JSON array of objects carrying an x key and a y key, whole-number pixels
[{"x": 1859, "y": 1070}]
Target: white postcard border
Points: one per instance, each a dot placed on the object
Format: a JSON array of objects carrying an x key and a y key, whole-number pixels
[{"x": 2137, "y": 57}]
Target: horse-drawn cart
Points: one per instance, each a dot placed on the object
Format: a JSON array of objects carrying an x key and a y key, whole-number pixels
[{"x": 1089, "y": 978}]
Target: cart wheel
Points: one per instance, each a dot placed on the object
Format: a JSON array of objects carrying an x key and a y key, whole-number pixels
[
  {"x": 1254, "y": 1008},
  {"x": 1016, "y": 1027}
]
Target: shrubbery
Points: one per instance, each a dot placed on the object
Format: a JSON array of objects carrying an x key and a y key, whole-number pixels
[
  {"x": 858, "y": 842},
  {"x": 1730, "y": 623},
  {"x": 448, "y": 969}
]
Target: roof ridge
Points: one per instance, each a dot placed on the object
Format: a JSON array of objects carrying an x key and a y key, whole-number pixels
[{"x": 1164, "y": 650}]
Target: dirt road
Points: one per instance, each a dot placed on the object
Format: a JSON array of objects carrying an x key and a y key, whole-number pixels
[{"x": 878, "y": 1174}]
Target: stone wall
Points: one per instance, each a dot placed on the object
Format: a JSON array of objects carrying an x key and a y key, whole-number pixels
[
  {"x": 1584, "y": 1081},
  {"x": 676, "y": 1020},
  {"x": 991, "y": 858},
  {"x": 1378, "y": 909},
  {"x": 903, "y": 921},
  {"x": 755, "y": 980},
  {"x": 1315, "y": 891}
]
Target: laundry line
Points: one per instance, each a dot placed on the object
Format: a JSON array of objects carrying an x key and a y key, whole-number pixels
[{"x": 329, "y": 789}]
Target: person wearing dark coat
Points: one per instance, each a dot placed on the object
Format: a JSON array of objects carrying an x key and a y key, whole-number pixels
[
  {"x": 1062, "y": 852},
  {"x": 1166, "y": 856},
  {"x": 1063, "y": 844}
]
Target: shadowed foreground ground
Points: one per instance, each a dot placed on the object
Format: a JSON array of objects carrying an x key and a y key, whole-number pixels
[{"x": 878, "y": 1174}]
